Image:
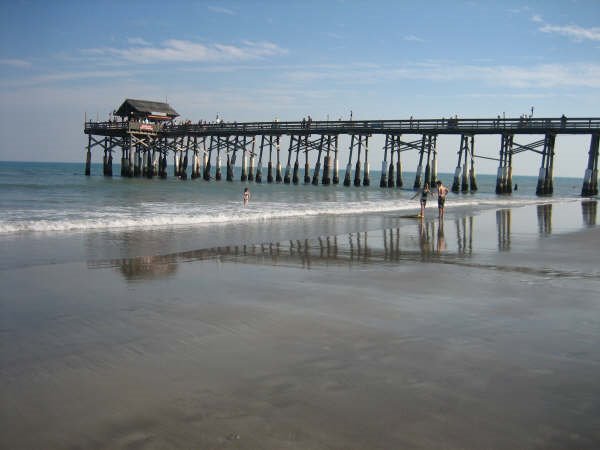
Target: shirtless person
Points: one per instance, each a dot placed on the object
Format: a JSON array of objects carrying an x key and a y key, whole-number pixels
[{"x": 442, "y": 191}]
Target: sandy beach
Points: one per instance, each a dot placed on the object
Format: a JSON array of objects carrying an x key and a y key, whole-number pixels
[{"x": 390, "y": 334}]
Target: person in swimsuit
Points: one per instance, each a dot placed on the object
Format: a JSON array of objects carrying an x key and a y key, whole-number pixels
[
  {"x": 424, "y": 193},
  {"x": 442, "y": 191},
  {"x": 246, "y": 196}
]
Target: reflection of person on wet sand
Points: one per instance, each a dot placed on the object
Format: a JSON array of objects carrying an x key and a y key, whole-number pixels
[
  {"x": 441, "y": 241},
  {"x": 246, "y": 196}
]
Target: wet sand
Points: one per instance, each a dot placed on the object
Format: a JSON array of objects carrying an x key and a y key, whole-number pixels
[{"x": 482, "y": 336}]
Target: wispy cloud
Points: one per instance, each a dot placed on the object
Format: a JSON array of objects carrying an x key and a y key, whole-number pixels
[
  {"x": 57, "y": 77},
  {"x": 574, "y": 32},
  {"x": 413, "y": 38},
  {"x": 540, "y": 76},
  {"x": 19, "y": 63},
  {"x": 537, "y": 18},
  {"x": 176, "y": 50},
  {"x": 137, "y": 41},
  {"x": 220, "y": 10}
]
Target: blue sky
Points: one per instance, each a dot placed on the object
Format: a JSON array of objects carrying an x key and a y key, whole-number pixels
[{"x": 256, "y": 60}]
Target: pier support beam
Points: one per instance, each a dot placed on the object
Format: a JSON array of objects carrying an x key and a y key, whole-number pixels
[
  {"x": 336, "y": 174},
  {"x": 88, "y": 157},
  {"x": 504, "y": 176},
  {"x": 434, "y": 173},
  {"x": 184, "y": 164},
  {"x": 464, "y": 182},
  {"x": 218, "y": 175},
  {"x": 419, "y": 172},
  {"x": 590, "y": 178},
  {"x": 357, "y": 168},
  {"x": 427, "y": 177},
  {"x": 258, "y": 178},
  {"x": 327, "y": 163},
  {"x": 135, "y": 160},
  {"x": 545, "y": 182},
  {"x": 306, "y": 164},
  {"x": 384, "y": 165},
  {"x": 278, "y": 167},
  {"x": 208, "y": 158},
  {"x": 366, "y": 174},
  {"x": 399, "y": 177},
  {"x": 288, "y": 167},
  {"x": 316, "y": 173},
  {"x": 163, "y": 165},
  {"x": 458, "y": 171},
  {"x": 252, "y": 157},
  {"x": 472, "y": 177},
  {"x": 295, "y": 178},
  {"x": 349, "y": 165},
  {"x": 244, "y": 174}
]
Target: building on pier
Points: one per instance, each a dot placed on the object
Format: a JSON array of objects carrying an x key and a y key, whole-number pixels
[
  {"x": 145, "y": 111},
  {"x": 147, "y": 134}
]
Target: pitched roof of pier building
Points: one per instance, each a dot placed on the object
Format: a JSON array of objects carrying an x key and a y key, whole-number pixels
[{"x": 146, "y": 108}]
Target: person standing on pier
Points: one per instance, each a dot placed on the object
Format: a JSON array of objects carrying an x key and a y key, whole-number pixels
[
  {"x": 442, "y": 191},
  {"x": 246, "y": 196}
]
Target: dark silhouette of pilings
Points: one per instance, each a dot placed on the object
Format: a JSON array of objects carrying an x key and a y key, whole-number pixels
[
  {"x": 258, "y": 178},
  {"x": 349, "y": 165},
  {"x": 315, "y": 178},
  {"x": 278, "y": 177},
  {"x": 545, "y": 182},
  {"x": 287, "y": 177},
  {"x": 218, "y": 162},
  {"x": 504, "y": 176},
  {"x": 419, "y": 172},
  {"x": 366, "y": 174},
  {"x": 357, "y": 168},
  {"x": 336, "y": 174},
  {"x": 384, "y": 164},
  {"x": 590, "y": 178}
]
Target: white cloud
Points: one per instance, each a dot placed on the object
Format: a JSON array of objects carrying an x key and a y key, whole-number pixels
[
  {"x": 536, "y": 18},
  {"x": 574, "y": 32},
  {"x": 540, "y": 76},
  {"x": 220, "y": 10},
  {"x": 19, "y": 63},
  {"x": 176, "y": 50},
  {"x": 413, "y": 38}
]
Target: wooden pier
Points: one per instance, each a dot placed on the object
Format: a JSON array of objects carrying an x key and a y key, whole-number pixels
[{"x": 146, "y": 134}]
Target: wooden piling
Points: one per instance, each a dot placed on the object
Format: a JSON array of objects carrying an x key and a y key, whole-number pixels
[
  {"x": 347, "y": 175},
  {"x": 590, "y": 178},
  {"x": 384, "y": 165},
  {"x": 418, "y": 174}
]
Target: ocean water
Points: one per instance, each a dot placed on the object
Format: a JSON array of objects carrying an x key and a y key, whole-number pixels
[{"x": 58, "y": 198}]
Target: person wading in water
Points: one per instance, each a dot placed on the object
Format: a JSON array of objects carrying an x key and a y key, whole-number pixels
[
  {"x": 442, "y": 191},
  {"x": 246, "y": 196},
  {"x": 424, "y": 194}
]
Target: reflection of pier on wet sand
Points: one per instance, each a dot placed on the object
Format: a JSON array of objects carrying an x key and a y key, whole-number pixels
[{"x": 453, "y": 242}]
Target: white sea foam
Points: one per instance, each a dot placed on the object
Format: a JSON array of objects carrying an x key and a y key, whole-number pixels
[{"x": 161, "y": 215}]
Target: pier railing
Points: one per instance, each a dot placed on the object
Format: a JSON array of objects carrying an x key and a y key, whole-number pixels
[{"x": 406, "y": 126}]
